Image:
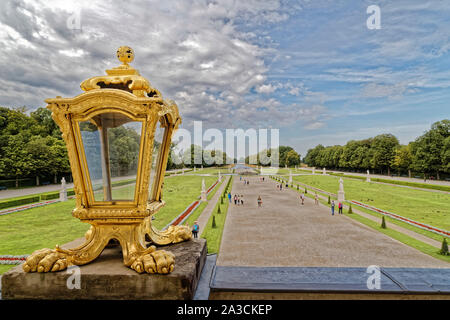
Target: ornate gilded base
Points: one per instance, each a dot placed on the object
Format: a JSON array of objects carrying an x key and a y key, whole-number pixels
[{"x": 131, "y": 237}]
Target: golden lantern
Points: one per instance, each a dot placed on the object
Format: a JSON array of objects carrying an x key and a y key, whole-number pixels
[{"x": 118, "y": 134}]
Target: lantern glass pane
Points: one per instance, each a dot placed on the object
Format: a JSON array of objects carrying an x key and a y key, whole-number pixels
[
  {"x": 111, "y": 143},
  {"x": 156, "y": 155}
]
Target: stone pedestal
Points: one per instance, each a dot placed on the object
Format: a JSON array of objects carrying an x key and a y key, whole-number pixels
[
  {"x": 63, "y": 191},
  {"x": 107, "y": 278},
  {"x": 341, "y": 196}
]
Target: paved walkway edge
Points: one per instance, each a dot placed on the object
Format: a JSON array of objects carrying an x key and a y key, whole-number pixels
[
  {"x": 204, "y": 216},
  {"x": 395, "y": 227}
]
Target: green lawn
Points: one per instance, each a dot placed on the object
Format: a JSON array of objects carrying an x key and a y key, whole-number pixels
[
  {"x": 193, "y": 217},
  {"x": 417, "y": 244},
  {"x": 423, "y": 206},
  {"x": 212, "y": 235},
  {"x": 178, "y": 193},
  {"x": 213, "y": 170},
  {"x": 44, "y": 227},
  {"x": 6, "y": 267}
]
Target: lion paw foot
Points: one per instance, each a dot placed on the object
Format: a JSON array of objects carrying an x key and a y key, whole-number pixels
[
  {"x": 159, "y": 261},
  {"x": 45, "y": 260}
]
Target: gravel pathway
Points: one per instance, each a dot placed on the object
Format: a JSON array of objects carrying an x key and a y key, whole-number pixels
[{"x": 285, "y": 233}]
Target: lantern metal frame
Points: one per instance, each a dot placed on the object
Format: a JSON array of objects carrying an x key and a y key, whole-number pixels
[{"x": 123, "y": 90}]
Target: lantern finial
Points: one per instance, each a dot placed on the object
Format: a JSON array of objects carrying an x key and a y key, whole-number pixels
[{"x": 125, "y": 55}]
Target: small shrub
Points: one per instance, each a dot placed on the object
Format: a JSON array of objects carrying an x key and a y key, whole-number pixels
[
  {"x": 383, "y": 223},
  {"x": 444, "y": 249},
  {"x": 213, "y": 225},
  {"x": 350, "y": 209},
  {"x": 218, "y": 210},
  {"x": 306, "y": 191},
  {"x": 329, "y": 200},
  {"x": 297, "y": 187}
]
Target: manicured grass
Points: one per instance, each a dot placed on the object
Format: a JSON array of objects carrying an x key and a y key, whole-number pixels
[
  {"x": 212, "y": 235},
  {"x": 414, "y": 243},
  {"x": 6, "y": 267},
  {"x": 194, "y": 216},
  {"x": 212, "y": 170},
  {"x": 26, "y": 231},
  {"x": 390, "y": 220},
  {"x": 43, "y": 227},
  {"x": 419, "y": 245},
  {"x": 178, "y": 193},
  {"x": 428, "y": 207}
]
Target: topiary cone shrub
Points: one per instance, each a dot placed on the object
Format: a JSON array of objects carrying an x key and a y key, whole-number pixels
[
  {"x": 329, "y": 200},
  {"x": 306, "y": 191},
  {"x": 444, "y": 249},
  {"x": 218, "y": 210},
  {"x": 213, "y": 225},
  {"x": 350, "y": 209},
  {"x": 383, "y": 223},
  {"x": 297, "y": 187}
]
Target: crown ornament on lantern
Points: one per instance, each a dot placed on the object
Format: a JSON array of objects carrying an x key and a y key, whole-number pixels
[{"x": 123, "y": 77}]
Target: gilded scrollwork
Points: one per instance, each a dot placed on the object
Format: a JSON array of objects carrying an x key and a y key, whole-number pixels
[{"x": 125, "y": 91}]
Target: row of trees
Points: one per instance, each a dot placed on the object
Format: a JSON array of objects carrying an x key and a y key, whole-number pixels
[
  {"x": 429, "y": 154},
  {"x": 31, "y": 145},
  {"x": 285, "y": 155}
]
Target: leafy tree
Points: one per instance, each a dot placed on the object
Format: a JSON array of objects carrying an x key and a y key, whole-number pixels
[
  {"x": 429, "y": 153},
  {"x": 43, "y": 118},
  {"x": 384, "y": 146},
  {"x": 292, "y": 158},
  {"x": 403, "y": 158},
  {"x": 17, "y": 161}
]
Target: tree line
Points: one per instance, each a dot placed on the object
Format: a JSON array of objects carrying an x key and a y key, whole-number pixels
[
  {"x": 31, "y": 146},
  {"x": 428, "y": 154},
  {"x": 287, "y": 156}
]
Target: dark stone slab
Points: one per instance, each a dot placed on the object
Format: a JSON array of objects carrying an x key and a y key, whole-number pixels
[
  {"x": 319, "y": 279},
  {"x": 420, "y": 280},
  {"x": 108, "y": 278},
  {"x": 203, "y": 287}
]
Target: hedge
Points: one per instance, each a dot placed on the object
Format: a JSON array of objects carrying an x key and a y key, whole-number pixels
[
  {"x": 50, "y": 196},
  {"x": 18, "y": 202},
  {"x": 397, "y": 182}
]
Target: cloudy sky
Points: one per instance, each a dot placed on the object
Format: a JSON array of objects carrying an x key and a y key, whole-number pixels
[{"x": 309, "y": 68}]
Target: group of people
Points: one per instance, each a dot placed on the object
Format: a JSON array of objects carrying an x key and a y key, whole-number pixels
[
  {"x": 238, "y": 199},
  {"x": 340, "y": 207},
  {"x": 246, "y": 182},
  {"x": 316, "y": 201}
]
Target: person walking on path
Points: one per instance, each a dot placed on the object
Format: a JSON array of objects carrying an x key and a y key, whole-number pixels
[
  {"x": 302, "y": 196},
  {"x": 281, "y": 186},
  {"x": 340, "y": 207},
  {"x": 332, "y": 207},
  {"x": 259, "y": 202},
  {"x": 229, "y": 196},
  {"x": 316, "y": 199},
  {"x": 242, "y": 199},
  {"x": 235, "y": 199},
  {"x": 195, "y": 229}
]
